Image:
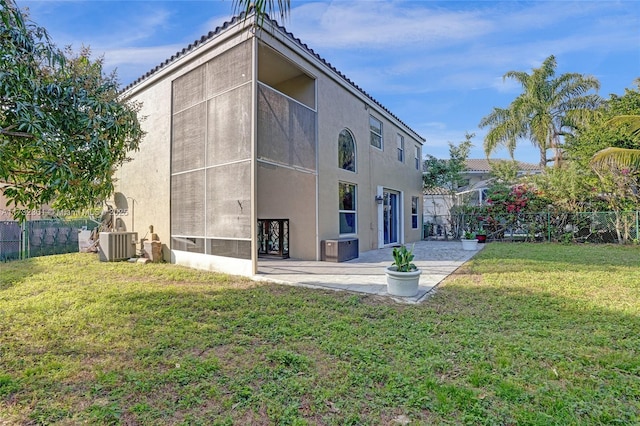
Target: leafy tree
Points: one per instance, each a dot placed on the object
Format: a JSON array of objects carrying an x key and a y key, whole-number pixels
[
  {"x": 612, "y": 127},
  {"x": 504, "y": 171},
  {"x": 548, "y": 109},
  {"x": 63, "y": 126},
  {"x": 447, "y": 174},
  {"x": 570, "y": 188},
  {"x": 619, "y": 173}
]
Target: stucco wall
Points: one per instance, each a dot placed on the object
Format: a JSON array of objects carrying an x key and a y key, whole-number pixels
[
  {"x": 299, "y": 184},
  {"x": 285, "y": 193},
  {"x": 144, "y": 184},
  {"x": 337, "y": 110},
  {"x": 145, "y": 181}
]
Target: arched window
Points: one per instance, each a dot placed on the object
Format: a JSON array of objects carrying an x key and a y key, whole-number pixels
[{"x": 346, "y": 151}]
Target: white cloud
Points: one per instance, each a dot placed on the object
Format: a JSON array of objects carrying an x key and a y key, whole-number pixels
[
  {"x": 383, "y": 25},
  {"x": 141, "y": 56},
  {"x": 392, "y": 45}
]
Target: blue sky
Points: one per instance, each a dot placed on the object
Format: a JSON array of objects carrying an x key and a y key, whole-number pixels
[{"x": 438, "y": 66}]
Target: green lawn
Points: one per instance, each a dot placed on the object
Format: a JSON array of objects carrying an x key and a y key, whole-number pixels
[{"x": 524, "y": 334}]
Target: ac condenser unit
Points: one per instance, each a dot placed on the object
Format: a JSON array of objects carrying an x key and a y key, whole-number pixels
[{"x": 116, "y": 246}]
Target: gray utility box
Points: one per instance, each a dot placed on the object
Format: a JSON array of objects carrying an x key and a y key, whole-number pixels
[{"x": 339, "y": 250}]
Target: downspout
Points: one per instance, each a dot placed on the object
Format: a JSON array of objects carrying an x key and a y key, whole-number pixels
[
  {"x": 254, "y": 151},
  {"x": 318, "y": 257}
]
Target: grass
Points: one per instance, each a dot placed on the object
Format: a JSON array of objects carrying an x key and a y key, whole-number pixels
[{"x": 527, "y": 334}]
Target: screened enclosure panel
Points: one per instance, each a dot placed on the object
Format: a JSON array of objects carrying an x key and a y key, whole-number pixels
[
  {"x": 239, "y": 249},
  {"x": 188, "y": 141},
  {"x": 229, "y": 126},
  {"x": 189, "y": 89},
  {"x": 211, "y": 157},
  {"x": 187, "y": 203},
  {"x": 230, "y": 69},
  {"x": 286, "y": 129},
  {"x": 229, "y": 201}
]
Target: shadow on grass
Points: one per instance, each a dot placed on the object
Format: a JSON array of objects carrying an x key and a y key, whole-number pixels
[
  {"x": 501, "y": 353},
  {"x": 16, "y": 271}
]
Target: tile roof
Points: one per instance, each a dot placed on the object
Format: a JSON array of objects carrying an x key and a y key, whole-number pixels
[
  {"x": 436, "y": 191},
  {"x": 220, "y": 29}
]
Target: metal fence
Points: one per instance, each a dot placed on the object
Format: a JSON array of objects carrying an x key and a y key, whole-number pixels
[
  {"x": 592, "y": 227},
  {"x": 40, "y": 237}
]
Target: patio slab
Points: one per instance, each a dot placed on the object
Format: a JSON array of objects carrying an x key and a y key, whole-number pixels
[{"x": 436, "y": 259}]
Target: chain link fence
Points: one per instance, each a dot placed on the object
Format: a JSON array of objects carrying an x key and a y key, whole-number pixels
[
  {"x": 40, "y": 237},
  {"x": 591, "y": 227}
]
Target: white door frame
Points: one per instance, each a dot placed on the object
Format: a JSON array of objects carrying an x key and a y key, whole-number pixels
[{"x": 380, "y": 190}]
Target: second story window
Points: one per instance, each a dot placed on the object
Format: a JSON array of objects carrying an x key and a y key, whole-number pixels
[
  {"x": 376, "y": 131},
  {"x": 417, "y": 155},
  {"x": 400, "y": 140},
  {"x": 346, "y": 151}
]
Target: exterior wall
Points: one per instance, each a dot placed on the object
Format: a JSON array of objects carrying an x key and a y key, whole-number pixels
[
  {"x": 144, "y": 184},
  {"x": 476, "y": 177},
  {"x": 7, "y": 210},
  {"x": 436, "y": 205},
  {"x": 375, "y": 168},
  {"x": 292, "y": 162},
  {"x": 285, "y": 193}
]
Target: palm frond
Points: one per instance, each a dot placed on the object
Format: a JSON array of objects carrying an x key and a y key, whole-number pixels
[
  {"x": 616, "y": 157},
  {"x": 632, "y": 121}
]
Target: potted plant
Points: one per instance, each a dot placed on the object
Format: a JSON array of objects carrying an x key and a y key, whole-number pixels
[
  {"x": 481, "y": 236},
  {"x": 403, "y": 276},
  {"x": 469, "y": 241}
]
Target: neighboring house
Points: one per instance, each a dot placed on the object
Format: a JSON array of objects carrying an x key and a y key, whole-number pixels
[
  {"x": 477, "y": 176},
  {"x": 7, "y": 211},
  {"x": 248, "y": 124}
]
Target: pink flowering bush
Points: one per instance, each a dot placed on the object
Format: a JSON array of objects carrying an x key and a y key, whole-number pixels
[{"x": 505, "y": 203}]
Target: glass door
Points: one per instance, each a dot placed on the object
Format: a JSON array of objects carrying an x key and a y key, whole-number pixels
[{"x": 390, "y": 217}]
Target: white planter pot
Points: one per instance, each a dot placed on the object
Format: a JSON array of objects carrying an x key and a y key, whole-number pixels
[
  {"x": 469, "y": 244},
  {"x": 403, "y": 284}
]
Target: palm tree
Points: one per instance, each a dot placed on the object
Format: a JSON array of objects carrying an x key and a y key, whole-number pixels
[
  {"x": 620, "y": 157},
  {"x": 547, "y": 109},
  {"x": 263, "y": 7}
]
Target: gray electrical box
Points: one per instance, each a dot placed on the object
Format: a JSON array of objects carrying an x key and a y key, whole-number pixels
[{"x": 339, "y": 250}]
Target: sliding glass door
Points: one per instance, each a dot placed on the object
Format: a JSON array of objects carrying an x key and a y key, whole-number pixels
[{"x": 391, "y": 216}]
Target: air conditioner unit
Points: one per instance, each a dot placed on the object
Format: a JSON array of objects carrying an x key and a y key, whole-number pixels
[{"x": 116, "y": 246}]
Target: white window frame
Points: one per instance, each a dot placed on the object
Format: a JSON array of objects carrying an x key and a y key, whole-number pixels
[
  {"x": 354, "y": 211},
  {"x": 400, "y": 142},
  {"x": 417, "y": 155},
  {"x": 374, "y": 132},
  {"x": 415, "y": 203}
]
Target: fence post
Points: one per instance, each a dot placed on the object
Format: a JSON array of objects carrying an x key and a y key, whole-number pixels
[
  {"x": 637, "y": 233},
  {"x": 23, "y": 239},
  {"x": 548, "y": 227}
]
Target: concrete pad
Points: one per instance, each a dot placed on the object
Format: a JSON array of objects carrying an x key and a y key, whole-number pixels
[{"x": 436, "y": 259}]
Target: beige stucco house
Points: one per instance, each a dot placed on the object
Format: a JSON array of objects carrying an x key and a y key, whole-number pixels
[{"x": 249, "y": 124}]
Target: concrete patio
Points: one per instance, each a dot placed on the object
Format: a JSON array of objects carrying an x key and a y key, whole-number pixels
[{"x": 436, "y": 259}]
